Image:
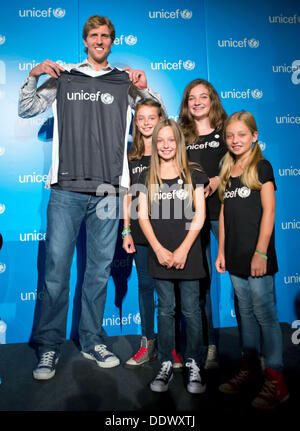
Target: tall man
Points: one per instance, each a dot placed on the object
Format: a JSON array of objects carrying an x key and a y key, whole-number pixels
[{"x": 91, "y": 103}]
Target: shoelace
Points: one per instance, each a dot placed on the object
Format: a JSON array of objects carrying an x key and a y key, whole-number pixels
[
  {"x": 241, "y": 377},
  {"x": 141, "y": 352},
  {"x": 163, "y": 372},
  {"x": 101, "y": 348},
  {"x": 47, "y": 359},
  {"x": 176, "y": 356},
  {"x": 268, "y": 390},
  {"x": 194, "y": 370}
]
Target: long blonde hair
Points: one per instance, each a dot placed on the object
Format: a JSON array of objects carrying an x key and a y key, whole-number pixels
[
  {"x": 217, "y": 114},
  {"x": 250, "y": 176},
  {"x": 184, "y": 167},
  {"x": 137, "y": 149}
]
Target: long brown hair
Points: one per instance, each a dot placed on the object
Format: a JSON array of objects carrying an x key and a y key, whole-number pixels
[
  {"x": 137, "y": 149},
  {"x": 217, "y": 114},
  {"x": 250, "y": 176}
]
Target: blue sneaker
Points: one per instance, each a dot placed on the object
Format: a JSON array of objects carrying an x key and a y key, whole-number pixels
[
  {"x": 46, "y": 366},
  {"x": 102, "y": 356}
]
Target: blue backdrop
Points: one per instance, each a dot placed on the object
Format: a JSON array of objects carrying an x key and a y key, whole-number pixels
[{"x": 250, "y": 53}]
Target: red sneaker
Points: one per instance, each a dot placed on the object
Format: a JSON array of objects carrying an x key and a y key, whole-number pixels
[
  {"x": 273, "y": 392},
  {"x": 177, "y": 361}
]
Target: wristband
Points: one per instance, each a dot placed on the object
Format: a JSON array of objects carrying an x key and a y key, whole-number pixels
[
  {"x": 261, "y": 254},
  {"x": 126, "y": 231}
]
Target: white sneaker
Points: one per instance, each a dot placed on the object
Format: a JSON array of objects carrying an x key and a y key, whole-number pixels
[
  {"x": 163, "y": 378},
  {"x": 45, "y": 369},
  {"x": 103, "y": 357},
  {"x": 195, "y": 384}
]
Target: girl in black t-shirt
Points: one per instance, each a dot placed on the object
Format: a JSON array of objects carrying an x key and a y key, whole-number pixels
[
  {"x": 171, "y": 215},
  {"x": 247, "y": 251},
  {"x": 202, "y": 117}
]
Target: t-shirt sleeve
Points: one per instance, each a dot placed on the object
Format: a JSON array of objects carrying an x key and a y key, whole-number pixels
[
  {"x": 199, "y": 178},
  {"x": 265, "y": 172}
]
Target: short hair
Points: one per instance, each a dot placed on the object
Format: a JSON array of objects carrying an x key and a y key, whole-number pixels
[{"x": 96, "y": 21}]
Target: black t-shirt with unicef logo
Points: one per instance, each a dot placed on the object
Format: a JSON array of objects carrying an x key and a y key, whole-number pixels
[
  {"x": 170, "y": 219},
  {"x": 136, "y": 167},
  {"x": 242, "y": 218},
  {"x": 208, "y": 151}
]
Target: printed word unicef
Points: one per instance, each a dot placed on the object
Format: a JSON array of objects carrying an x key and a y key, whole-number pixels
[
  {"x": 244, "y": 43},
  {"x": 164, "y": 14},
  {"x": 242, "y": 94},
  {"x": 165, "y": 65},
  {"x": 42, "y": 13},
  {"x": 129, "y": 40},
  {"x": 105, "y": 98},
  {"x": 284, "y": 19}
]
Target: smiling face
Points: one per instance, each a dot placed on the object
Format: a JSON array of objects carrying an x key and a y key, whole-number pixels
[
  {"x": 98, "y": 43},
  {"x": 239, "y": 138},
  {"x": 146, "y": 119},
  {"x": 166, "y": 144},
  {"x": 199, "y": 102}
]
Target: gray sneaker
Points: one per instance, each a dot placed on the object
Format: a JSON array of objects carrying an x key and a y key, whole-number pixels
[
  {"x": 145, "y": 354},
  {"x": 45, "y": 369},
  {"x": 102, "y": 356},
  {"x": 211, "y": 362}
]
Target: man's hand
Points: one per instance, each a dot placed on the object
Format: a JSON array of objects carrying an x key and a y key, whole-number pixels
[
  {"x": 137, "y": 77},
  {"x": 47, "y": 67}
]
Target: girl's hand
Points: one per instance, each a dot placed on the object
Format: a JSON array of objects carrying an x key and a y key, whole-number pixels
[
  {"x": 258, "y": 266},
  {"x": 213, "y": 185},
  {"x": 220, "y": 263},
  {"x": 128, "y": 244},
  {"x": 165, "y": 257},
  {"x": 179, "y": 258}
]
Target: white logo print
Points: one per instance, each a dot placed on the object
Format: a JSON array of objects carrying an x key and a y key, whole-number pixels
[
  {"x": 2, "y": 39},
  {"x": 131, "y": 40},
  {"x": 295, "y": 75},
  {"x": 2, "y": 208},
  {"x": 2, "y": 267},
  {"x": 186, "y": 14},
  {"x": 137, "y": 318},
  {"x": 182, "y": 194},
  {"x": 214, "y": 144},
  {"x": 256, "y": 94},
  {"x": 59, "y": 13},
  {"x": 253, "y": 43},
  {"x": 262, "y": 145},
  {"x": 107, "y": 98},
  {"x": 189, "y": 65},
  {"x": 244, "y": 192}
]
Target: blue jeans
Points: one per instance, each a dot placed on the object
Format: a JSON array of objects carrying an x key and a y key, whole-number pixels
[
  {"x": 65, "y": 214},
  {"x": 190, "y": 308},
  {"x": 146, "y": 291},
  {"x": 205, "y": 284},
  {"x": 257, "y": 312}
]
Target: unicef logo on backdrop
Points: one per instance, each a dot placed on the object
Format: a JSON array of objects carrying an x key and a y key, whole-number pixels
[
  {"x": 2, "y": 39},
  {"x": 59, "y": 13},
  {"x": 2, "y": 208},
  {"x": 131, "y": 40},
  {"x": 186, "y": 14},
  {"x": 137, "y": 318},
  {"x": 2, "y": 267},
  {"x": 189, "y": 65},
  {"x": 256, "y": 94},
  {"x": 253, "y": 43},
  {"x": 242, "y": 43}
]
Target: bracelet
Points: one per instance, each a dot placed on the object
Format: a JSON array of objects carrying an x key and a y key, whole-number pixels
[
  {"x": 126, "y": 231},
  {"x": 261, "y": 254}
]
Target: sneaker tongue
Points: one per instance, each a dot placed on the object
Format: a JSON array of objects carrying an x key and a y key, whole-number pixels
[{"x": 144, "y": 342}]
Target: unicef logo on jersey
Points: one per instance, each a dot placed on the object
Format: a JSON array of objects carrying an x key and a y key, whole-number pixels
[
  {"x": 107, "y": 98},
  {"x": 244, "y": 192},
  {"x": 256, "y": 94},
  {"x": 131, "y": 40},
  {"x": 59, "y": 13},
  {"x": 253, "y": 43},
  {"x": 186, "y": 14},
  {"x": 214, "y": 144},
  {"x": 182, "y": 194},
  {"x": 189, "y": 65}
]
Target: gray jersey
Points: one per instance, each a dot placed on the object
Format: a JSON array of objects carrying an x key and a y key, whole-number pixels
[{"x": 92, "y": 119}]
